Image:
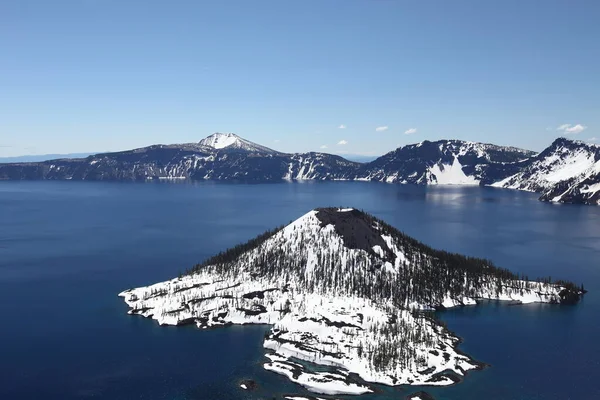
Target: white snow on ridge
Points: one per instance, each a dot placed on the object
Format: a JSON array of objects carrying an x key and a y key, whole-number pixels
[
  {"x": 591, "y": 188},
  {"x": 563, "y": 164},
  {"x": 312, "y": 166},
  {"x": 442, "y": 167},
  {"x": 572, "y": 166},
  {"x": 220, "y": 140}
]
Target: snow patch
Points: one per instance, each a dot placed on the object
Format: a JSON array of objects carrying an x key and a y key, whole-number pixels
[
  {"x": 220, "y": 140},
  {"x": 451, "y": 174},
  {"x": 591, "y": 188}
]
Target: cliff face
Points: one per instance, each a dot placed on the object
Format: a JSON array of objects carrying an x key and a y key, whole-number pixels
[{"x": 343, "y": 289}]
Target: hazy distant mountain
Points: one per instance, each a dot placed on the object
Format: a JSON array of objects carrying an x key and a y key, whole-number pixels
[
  {"x": 41, "y": 157},
  {"x": 359, "y": 158}
]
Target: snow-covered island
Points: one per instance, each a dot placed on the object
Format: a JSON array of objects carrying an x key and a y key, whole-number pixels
[{"x": 345, "y": 290}]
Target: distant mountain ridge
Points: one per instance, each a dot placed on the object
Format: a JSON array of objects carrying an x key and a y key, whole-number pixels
[
  {"x": 41, "y": 157},
  {"x": 567, "y": 171},
  {"x": 221, "y": 156}
]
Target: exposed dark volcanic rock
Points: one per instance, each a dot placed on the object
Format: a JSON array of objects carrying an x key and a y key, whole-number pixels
[{"x": 356, "y": 229}]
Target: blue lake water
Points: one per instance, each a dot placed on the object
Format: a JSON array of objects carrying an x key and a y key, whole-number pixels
[{"x": 68, "y": 248}]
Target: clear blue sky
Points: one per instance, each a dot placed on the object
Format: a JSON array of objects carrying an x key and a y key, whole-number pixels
[{"x": 101, "y": 75}]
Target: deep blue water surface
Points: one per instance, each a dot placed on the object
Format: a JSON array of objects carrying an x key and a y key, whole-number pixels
[{"x": 67, "y": 249}]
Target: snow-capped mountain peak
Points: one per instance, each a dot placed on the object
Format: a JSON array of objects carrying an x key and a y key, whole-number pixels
[
  {"x": 220, "y": 140},
  {"x": 231, "y": 141}
]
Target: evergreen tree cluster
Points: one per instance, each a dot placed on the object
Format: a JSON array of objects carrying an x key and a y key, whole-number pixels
[
  {"x": 425, "y": 275},
  {"x": 231, "y": 255}
]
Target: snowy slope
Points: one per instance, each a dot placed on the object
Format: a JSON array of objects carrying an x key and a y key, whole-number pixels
[
  {"x": 220, "y": 140},
  {"x": 444, "y": 174},
  {"x": 319, "y": 166},
  {"x": 341, "y": 289},
  {"x": 567, "y": 171},
  {"x": 444, "y": 162},
  {"x": 231, "y": 141}
]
